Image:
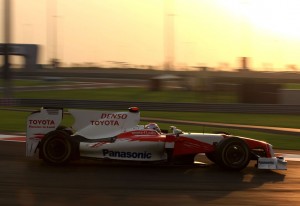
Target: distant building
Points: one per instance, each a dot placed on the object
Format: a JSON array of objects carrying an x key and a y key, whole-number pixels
[{"x": 28, "y": 51}]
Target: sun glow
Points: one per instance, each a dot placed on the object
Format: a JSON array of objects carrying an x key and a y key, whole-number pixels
[
  {"x": 205, "y": 32},
  {"x": 273, "y": 16}
]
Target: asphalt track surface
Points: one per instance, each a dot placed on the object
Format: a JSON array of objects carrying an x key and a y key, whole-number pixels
[{"x": 29, "y": 181}]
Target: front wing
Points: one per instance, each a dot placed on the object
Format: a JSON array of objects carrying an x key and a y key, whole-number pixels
[{"x": 272, "y": 163}]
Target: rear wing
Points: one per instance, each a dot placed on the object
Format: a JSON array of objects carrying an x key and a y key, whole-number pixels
[{"x": 40, "y": 123}]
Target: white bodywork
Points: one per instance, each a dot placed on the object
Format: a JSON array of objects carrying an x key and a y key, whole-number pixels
[
  {"x": 102, "y": 124},
  {"x": 125, "y": 150},
  {"x": 273, "y": 162},
  {"x": 39, "y": 124}
]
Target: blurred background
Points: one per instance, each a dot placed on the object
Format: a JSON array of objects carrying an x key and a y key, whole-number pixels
[
  {"x": 233, "y": 62},
  {"x": 234, "y": 51}
]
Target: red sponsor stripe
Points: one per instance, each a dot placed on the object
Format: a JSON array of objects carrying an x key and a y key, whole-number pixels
[
  {"x": 39, "y": 136},
  {"x": 146, "y": 138},
  {"x": 14, "y": 139}
]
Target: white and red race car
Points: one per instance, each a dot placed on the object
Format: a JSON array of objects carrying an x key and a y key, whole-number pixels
[{"x": 117, "y": 136}]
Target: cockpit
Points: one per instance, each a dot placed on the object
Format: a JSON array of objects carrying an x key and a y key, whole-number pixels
[{"x": 153, "y": 126}]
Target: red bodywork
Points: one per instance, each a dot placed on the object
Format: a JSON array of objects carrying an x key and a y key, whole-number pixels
[{"x": 183, "y": 145}]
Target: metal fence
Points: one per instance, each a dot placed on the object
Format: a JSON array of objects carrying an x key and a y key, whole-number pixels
[{"x": 155, "y": 106}]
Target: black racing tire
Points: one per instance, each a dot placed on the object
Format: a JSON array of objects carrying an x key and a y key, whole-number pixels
[
  {"x": 233, "y": 153},
  {"x": 65, "y": 129},
  {"x": 56, "y": 148}
]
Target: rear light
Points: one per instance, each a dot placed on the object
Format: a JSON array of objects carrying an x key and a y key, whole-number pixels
[{"x": 133, "y": 109}]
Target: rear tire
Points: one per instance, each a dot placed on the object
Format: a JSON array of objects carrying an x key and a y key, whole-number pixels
[
  {"x": 233, "y": 154},
  {"x": 68, "y": 130},
  {"x": 56, "y": 148}
]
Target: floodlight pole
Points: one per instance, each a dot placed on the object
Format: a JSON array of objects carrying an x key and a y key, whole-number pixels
[
  {"x": 55, "y": 31},
  {"x": 7, "y": 88},
  {"x": 169, "y": 34}
]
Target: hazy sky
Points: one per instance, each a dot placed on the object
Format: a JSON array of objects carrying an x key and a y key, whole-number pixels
[{"x": 206, "y": 32}]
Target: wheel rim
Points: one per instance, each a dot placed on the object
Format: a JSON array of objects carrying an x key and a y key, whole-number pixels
[
  {"x": 235, "y": 155},
  {"x": 57, "y": 149}
]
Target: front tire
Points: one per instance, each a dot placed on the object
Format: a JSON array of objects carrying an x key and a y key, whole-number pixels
[
  {"x": 56, "y": 148},
  {"x": 233, "y": 154}
]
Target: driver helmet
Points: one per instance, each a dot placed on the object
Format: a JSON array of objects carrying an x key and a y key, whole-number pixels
[{"x": 153, "y": 126}]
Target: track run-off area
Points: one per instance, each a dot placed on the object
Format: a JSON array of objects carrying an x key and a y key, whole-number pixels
[{"x": 29, "y": 181}]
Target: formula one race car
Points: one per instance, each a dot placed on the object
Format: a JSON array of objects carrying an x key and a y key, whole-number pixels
[{"x": 117, "y": 136}]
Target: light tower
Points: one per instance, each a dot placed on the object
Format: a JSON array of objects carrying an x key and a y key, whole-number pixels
[
  {"x": 169, "y": 34},
  {"x": 7, "y": 88},
  {"x": 52, "y": 33}
]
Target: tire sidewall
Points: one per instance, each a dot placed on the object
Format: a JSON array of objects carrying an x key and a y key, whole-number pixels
[
  {"x": 222, "y": 153},
  {"x": 59, "y": 139}
]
